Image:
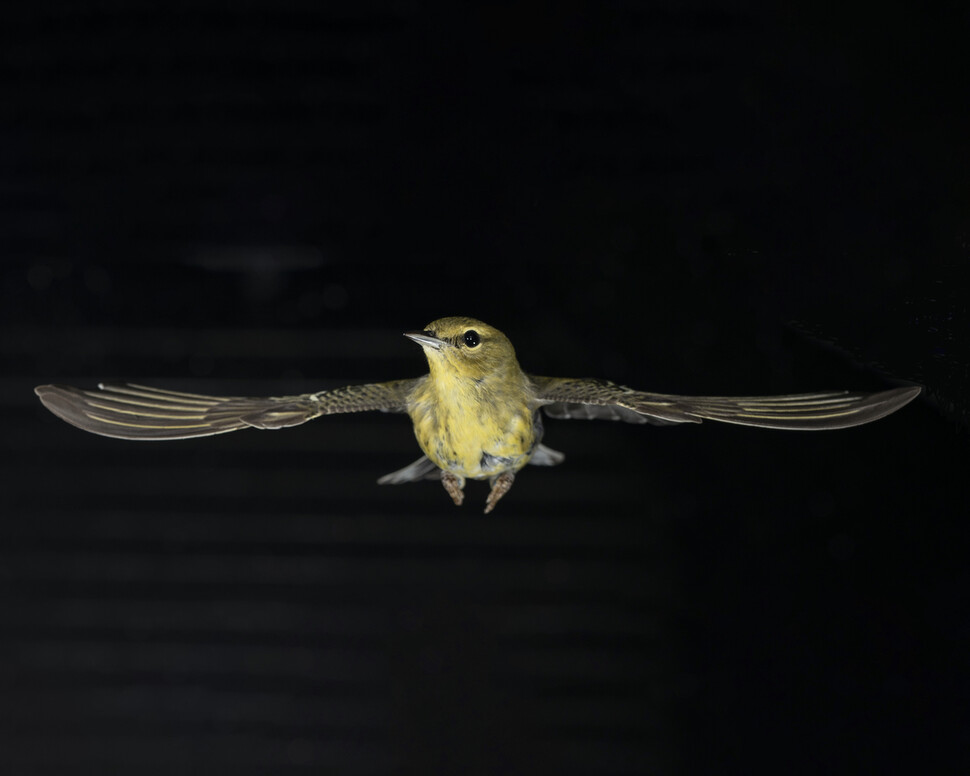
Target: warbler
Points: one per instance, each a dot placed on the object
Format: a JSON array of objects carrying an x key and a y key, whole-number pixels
[{"x": 476, "y": 414}]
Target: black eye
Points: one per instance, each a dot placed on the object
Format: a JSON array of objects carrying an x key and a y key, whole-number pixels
[{"x": 471, "y": 338}]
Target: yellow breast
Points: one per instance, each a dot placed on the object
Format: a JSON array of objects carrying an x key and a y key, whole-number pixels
[{"x": 471, "y": 428}]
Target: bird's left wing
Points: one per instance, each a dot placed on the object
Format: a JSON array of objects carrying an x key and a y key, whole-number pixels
[
  {"x": 129, "y": 411},
  {"x": 599, "y": 399}
]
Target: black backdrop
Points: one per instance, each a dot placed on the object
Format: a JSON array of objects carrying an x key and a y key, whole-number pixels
[{"x": 258, "y": 198}]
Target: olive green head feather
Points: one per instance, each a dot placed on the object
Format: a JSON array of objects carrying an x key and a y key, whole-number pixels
[{"x": 465, "y": 347}]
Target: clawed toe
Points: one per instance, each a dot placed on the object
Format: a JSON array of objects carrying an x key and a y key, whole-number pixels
[
  {"x": 500, "y": 486},
  {"x": 454, "y": 484}
]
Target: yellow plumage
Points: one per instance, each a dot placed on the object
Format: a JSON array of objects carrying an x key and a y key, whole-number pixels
[
  {"x": 474, "y": 417},
  {"x": 461, "y": 423}
]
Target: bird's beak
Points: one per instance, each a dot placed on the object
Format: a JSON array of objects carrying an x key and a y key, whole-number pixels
[{"x": 425, "y": 339}]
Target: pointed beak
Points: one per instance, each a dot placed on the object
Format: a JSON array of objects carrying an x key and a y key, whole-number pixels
[{"x": 426, "y": 339}]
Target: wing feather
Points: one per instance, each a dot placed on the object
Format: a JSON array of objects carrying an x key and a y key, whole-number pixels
[
  {"x": 598, "y": 399},
  {"x": 131, "y": 411}
]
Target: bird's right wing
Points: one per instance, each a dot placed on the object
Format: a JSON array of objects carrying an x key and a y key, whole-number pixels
[{"x": 130, "y": 411}]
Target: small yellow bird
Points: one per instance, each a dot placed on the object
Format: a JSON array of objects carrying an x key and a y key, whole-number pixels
[{"x": 476, "y": 414}]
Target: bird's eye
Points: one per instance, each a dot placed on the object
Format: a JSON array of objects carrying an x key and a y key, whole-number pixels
[{"x": 471, "y": 338}]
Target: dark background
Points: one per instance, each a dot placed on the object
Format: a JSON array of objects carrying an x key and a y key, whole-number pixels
[{"x": 257, "y": 198}]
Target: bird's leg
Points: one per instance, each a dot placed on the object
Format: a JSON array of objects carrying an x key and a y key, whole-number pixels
[
  {"x": 500, "y": 486},
  {"x": 453, "y": 484}
]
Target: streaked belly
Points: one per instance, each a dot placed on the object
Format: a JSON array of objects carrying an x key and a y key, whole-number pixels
[{"x": 466, "y": 445}]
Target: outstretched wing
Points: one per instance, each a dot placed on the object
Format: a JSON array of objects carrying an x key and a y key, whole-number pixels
[
  {"x": 130, "y": 411},
  {"x": 598, "y": 399}
]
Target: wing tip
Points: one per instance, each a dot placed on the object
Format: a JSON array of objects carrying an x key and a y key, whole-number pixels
[
  {"x": 906, "y": 394},
  {"x": 51, "y": 395},
  {"x": 62, "y": 402},
  {"x": 75, "y": 407},
  {"x": 46, "y": 390},
  {"x": 893, "y": 399}
]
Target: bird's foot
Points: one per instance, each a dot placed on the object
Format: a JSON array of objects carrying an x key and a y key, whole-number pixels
[
  {"x": 454, "y": 484},
  {"x": 500, "y": 486}
]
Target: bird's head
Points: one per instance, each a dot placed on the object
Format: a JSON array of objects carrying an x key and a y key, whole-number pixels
[{"x": 465, "y": 347}]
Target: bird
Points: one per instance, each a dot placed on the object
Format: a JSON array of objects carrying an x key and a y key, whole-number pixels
[{"x": 476, "y": 414}]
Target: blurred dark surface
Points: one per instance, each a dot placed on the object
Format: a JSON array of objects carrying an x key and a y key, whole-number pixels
[{"x": 704, "y": 198}]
